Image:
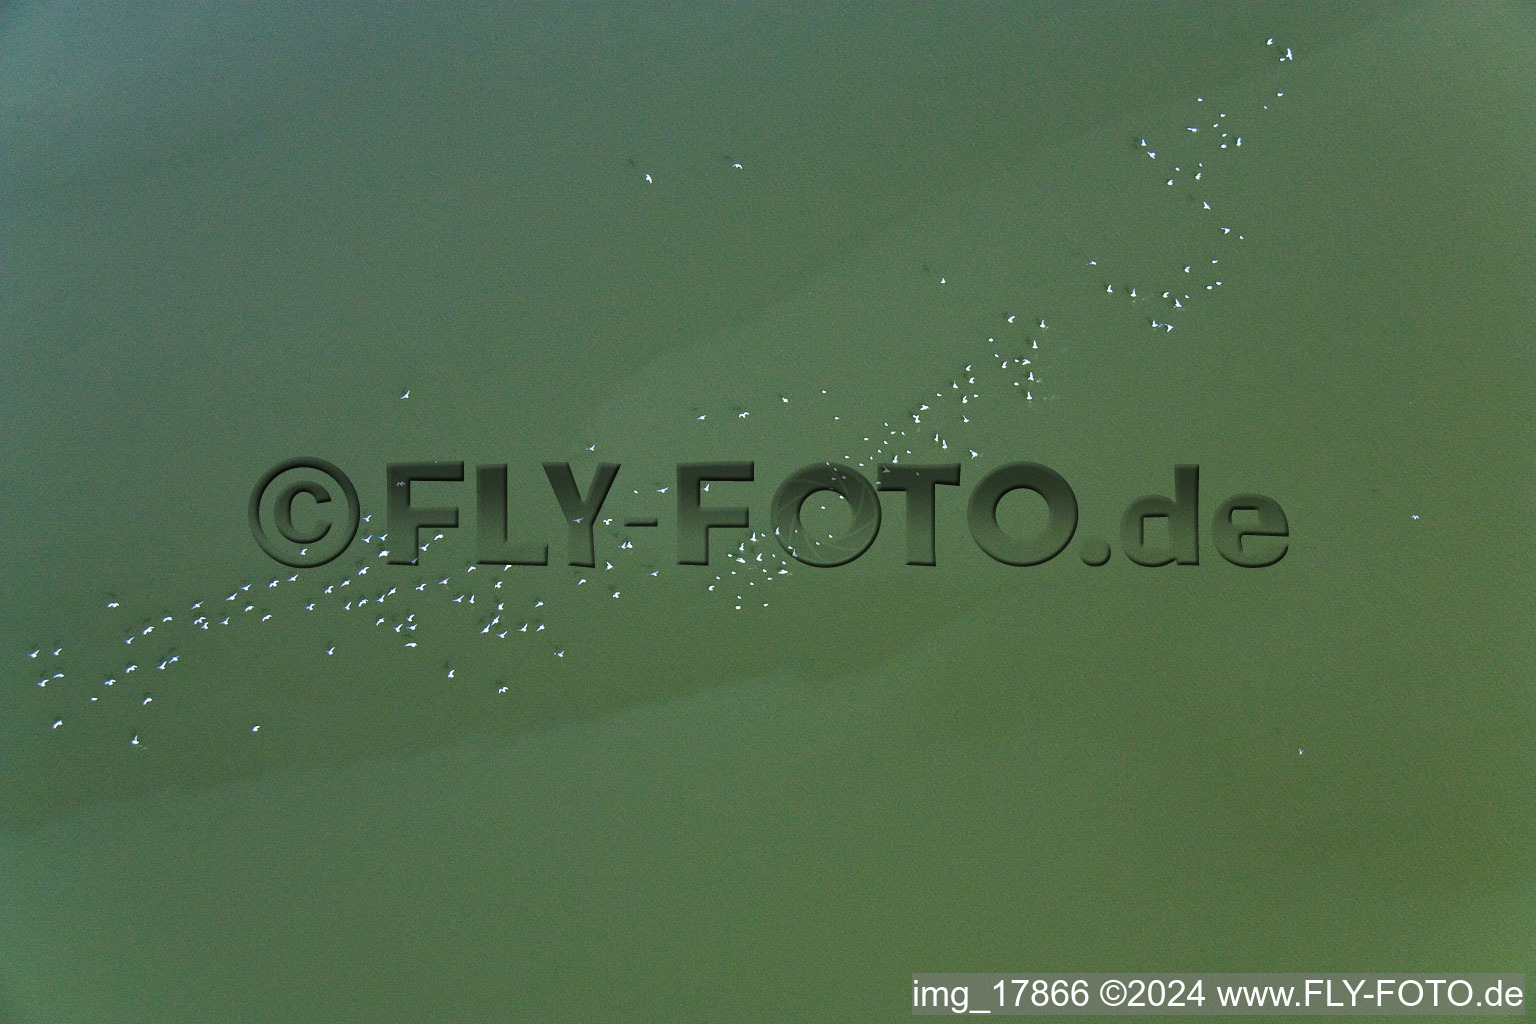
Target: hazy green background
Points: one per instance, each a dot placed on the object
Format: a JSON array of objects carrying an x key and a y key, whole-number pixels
[{"x": 235, "y": 234}]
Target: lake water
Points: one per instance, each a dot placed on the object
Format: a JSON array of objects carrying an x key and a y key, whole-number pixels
[{"x": 1110, "y": 239}]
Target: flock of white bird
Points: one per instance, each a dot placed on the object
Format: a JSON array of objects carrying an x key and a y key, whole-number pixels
[{"x": 72, "y": 678}]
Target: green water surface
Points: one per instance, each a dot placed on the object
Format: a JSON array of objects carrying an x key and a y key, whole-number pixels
[{"x": 236, "y": 234}]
